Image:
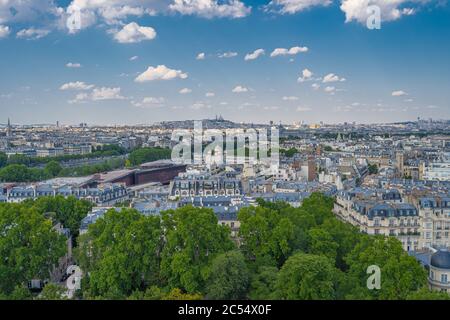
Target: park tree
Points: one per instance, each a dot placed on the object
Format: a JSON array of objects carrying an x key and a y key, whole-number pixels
[
  {"x": 322, "y": 243},
  {"x": 178, "y": 294},
  {"x": 52, "y": 168},
  {"x": 228, "y": 277},
  {"x": 3, "y": 159},
  {"x": 426, "y": 294},
  {"x": 121, "y": 253},
  {"x": 141, "y": 155},
  {"x": 15, "y": 173},
  {"x": 68, "y": 211},
  {"x": 29, "y": 246},
  {"x": 319, "y": 205},
  {"x": 400, "y": 275},
  {"x": 306, "y": 277},
  {"x": 52, "y": 291},
  {"x": 274, "y": 230},
  {"x": 193, "y": 238},
  {"x": 263, "y": 281},
  {"x": 345, "y": 235}
]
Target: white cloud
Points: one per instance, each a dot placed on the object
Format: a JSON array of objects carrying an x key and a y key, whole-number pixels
[
  {"x": 149, "y": 102},
  {"x": 229, "y": 54},
  {"x": 210, "y": 94},
  {"x": 133, "y": 33},
  {"x": 290, "y": 98},
  {"x": 254, "y": 55},
  {"x": 73, "y": 65},
  {"x": 399, "y": 93},
  {"x": 315, "y": 86},
  {"x": 98, "y": 94},
  {"x": 330, "y": 89},
  {"x": 211, "y": 8},
  {"x": 160, "y": 72},
  {"x": 105, "y": 93},
  {"x": 331, "y": 77},
  {"x": 133, "y": 58},
  {"x": 26, "y": 11},
  {"x": 199, "y": 105},
  {"x": 292, "y": 51},
  {"x": 32, "y": 33},
  {"x": 111, "y": 12},
  {"x": 4, "y": 31},
  {"x": 293, "y": 6},
  {"x": 115, "y": 14},
  {"x": 303, "y": 109},
  {"x": 200, "y": 56},
  {"x": 306, "y": 75},
  {"x": 356, "y": 10},
  {"x": 240, "y": 89},
  {"x": 78, "y": 85},
  {"x": 185, "y": 91}
]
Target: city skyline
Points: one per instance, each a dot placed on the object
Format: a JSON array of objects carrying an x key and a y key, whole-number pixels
[{"x": 141, "y": 62}]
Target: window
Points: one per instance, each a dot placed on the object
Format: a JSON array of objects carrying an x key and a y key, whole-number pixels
[
  {"x": 444, "y": 278},
  {"x": 432, "y": 275}
]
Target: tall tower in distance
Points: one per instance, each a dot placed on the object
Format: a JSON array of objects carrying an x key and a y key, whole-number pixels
[
  {"x": 8, "y": 129},
  {"x": 399, "y": 157}
]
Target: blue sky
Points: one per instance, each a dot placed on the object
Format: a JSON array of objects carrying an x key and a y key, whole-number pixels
[{"x": 132, "y": 62}]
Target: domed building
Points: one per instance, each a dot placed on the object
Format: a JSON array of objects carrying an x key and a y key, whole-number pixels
[{"x": 439, "y": 278}]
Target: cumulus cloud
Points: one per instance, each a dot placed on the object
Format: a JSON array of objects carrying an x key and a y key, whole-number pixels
[
  {"x": 133, "y": 33},
  {"x": 200, "y": 56},
  {"x": 185, "y": 91},
  {"x": 4, "y": 31},
  {"x": 290, "y": 98},
  {"x": 254, "y": 55},
  {"x": 240, "y": 89},
  {"x": 356, "y": 10},
  {"x": 293, "y": 6},
  {"x": 78, "y": 85},
  {"x": 330, "y": 89},
  {"x": 331, "y": 77},
  {"x": 229, "y": 54},
  {"x": 20, "y": 11},
  {"x": 160, "y": 72},
  {"x": 99, "y": 94},
  {"x": 105, "y": 93},
  {"x": 306, "y": 75},
  {"x": 211, "y": 8},
  {"x": 115, "y": 14},
  {"x": 315, "y": 86},
  {"x": 111, "y": 12},
  {"x": 292, "y": 51},
  {"x": 133, "y": 58},
  {"x": 399, "y": 93},
  {"x": 32, "y": 33},
  {"x": 210, "y": 94},
  {"x": 73, "y": 65}
]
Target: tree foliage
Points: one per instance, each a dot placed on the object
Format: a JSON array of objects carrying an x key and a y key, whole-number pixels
[
  {"x": 143, "y": 155},
  {"x": 121, "y": 254},
  {"x": 29, "y": 247},
  {"x": 192, "y": 239},
  {"x": 228, "y": 278}
]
